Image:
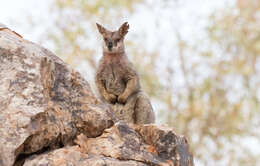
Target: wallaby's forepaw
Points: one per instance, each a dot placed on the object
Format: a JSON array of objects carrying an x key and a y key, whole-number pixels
[
  {"x": 122, "y": 99},
  {"x": 111, "y": 98}
]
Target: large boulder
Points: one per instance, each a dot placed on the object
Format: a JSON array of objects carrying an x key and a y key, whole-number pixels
[
  {"x": 49, "y": 116},
  {"x": 44, "y": 103}
]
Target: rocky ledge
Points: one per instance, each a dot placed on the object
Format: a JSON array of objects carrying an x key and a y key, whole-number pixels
[{"x": 50, "y": 116}]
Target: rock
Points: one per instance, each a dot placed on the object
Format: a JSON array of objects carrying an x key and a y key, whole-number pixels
[
  {"x": 149, "y": 144},
  {"x": 43, "y": 102},
  {"x": 73, "y": 156},
  {"x": 167, "y": 144},
  {"x": 49, "y": 116},
  {"x": 122, "y": 144}
]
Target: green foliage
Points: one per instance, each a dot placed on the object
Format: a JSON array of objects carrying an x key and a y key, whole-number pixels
[
  {"x": 225, "y": 104},
  {"x": 96, "y": 7}
]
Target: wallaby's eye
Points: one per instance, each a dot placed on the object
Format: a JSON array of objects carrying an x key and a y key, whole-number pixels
[{"x": 117, "y": 40}]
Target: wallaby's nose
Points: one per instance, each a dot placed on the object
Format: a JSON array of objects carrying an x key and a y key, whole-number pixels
[{"x": 110, "y": 44}]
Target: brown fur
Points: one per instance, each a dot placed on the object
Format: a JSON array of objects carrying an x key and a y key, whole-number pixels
[{"x": 118, "y": 82}]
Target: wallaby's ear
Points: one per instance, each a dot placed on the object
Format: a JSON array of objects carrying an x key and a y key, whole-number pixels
[
  {"x": 123, "y": 29},
  {"x": 101, "y": 29}
]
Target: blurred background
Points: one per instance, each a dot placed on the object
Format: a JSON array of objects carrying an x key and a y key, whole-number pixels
[{"x": 199, "y": 61}]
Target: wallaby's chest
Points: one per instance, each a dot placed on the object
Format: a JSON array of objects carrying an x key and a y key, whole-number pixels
[{"x": 113, "y": 74}]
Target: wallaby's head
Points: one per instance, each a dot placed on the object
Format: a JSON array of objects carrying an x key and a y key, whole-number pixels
[{"x": 113, "y": 41}]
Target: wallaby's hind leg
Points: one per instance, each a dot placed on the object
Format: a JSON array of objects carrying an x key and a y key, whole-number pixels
[{"x": 143, "y": 110}]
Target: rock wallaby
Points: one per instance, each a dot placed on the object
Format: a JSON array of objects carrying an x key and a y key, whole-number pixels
[{"x": 118, "y": 82}]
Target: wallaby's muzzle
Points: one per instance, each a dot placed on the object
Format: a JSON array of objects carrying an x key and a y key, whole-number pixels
[{"x": 110, "y": 45}]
